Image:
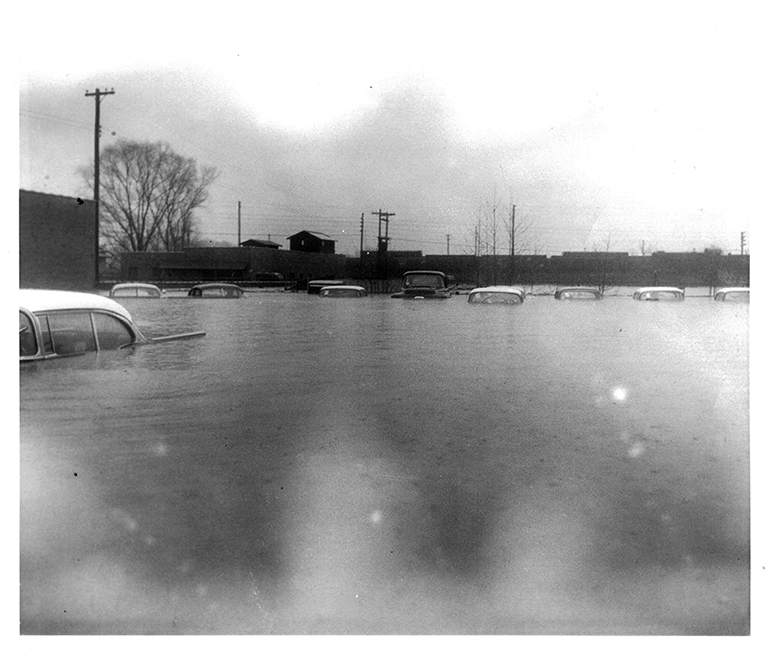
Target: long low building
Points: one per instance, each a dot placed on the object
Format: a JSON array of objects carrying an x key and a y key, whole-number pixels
[
  {"x": 235, "y": 264},
  {"x": 252, "y": 265}
]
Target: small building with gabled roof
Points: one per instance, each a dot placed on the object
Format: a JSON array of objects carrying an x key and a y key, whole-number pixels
[{"x": 313, "y": 242}]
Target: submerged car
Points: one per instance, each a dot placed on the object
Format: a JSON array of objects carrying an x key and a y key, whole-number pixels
[
  {"x": 504, "y": 294},
  {"x": 56, "y": 323},
  {"x": 135, "y": 291},
  {"x": 659, "y": 294},
  {"x": 740, "y": 295},
  {"x": 216, "y": 291},
  {"x": 426, "y": 284},
  {"x": 314, "y": 287},
  {"x": 343, "y": 291},
  {"x": 578, "y": 293}
]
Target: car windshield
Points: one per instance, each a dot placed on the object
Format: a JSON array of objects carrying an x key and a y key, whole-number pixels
[
  {"x": 423, "y": 281},
  {"x": 736, "y": 295},
  {"x": 661, "y": 295},
  {"x": 135, "y": 292},
  {"x": 340, "y": 292},
  {"x": 578, "y": 294},
  {"x": 495, "y": 297}
]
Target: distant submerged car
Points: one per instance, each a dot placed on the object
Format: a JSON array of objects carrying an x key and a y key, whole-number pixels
[
  {"x": 314, "y": 286},
  {"x": 579, "y": 294},
  {"x": 659, "y": 294},
  {"x": 216, "y": 291},
  {"x": 497, "y": 294},
  {"x": 740, "y": 295},
  {"x": 135, "y": 291},
  {"x": 55, "y": 323},
  {"x": 343, "y": 291},
  {"x": 426, "y": 284}
]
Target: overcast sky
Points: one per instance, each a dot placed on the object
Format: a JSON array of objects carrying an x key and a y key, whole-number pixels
[{"x": 606, "y": 124}]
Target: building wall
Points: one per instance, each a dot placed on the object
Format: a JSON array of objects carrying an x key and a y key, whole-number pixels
[
  {"x": 305, "y": 241},
  {"x": 238, "y": 264},
  {"x": 244, "y": 264},
  {"x": 684, "y": 269},
  {"x": 57, "y": 242}
]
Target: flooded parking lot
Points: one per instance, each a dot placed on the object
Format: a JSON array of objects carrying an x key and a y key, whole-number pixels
[{"x": 383, "y": 466}]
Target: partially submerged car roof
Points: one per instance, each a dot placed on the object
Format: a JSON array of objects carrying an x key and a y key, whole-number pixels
[
  {"x": 659, "y": 288},
  {"x": 732, "y": 289},
  {"x": 216, "y": 285},
  {"x": 424, "y": 271},
  {"x": 131, "y": 286},
  {"x": 44, "y": 300},
  {"x": 510, "y": 289}
]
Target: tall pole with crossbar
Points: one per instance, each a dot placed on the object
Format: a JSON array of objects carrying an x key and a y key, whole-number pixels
[{"x": 97, "y": 95}]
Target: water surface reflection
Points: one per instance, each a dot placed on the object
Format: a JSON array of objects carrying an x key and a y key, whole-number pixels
[{"x": 380, "y": 466}]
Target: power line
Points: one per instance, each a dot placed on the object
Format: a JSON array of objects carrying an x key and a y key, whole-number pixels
[{"x": 52, "y": 118}]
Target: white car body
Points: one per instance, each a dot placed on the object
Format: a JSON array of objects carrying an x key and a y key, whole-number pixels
[
  {"x": 578, "y": 293},
  {"x": 660, "y": 293},
  {"x": 56, "y": 323},
  {"x": 135, "y": 291},
  {"x": 343, "y": 291},
  {"x": 505, "y": 294},
  {"x": 735, "y": 294}
]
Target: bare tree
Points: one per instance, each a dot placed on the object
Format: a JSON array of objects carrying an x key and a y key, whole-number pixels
[
  {"x": 148, "y": 196},
  {"x": 602, "y": 268},
  {"x": 489, "y": 230},
  {"x": 643, "y": 248}
]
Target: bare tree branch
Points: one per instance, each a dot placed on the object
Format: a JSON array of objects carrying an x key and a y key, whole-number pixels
[{"x": 148, "y": 196}]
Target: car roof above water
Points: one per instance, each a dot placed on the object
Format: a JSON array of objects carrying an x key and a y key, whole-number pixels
[
  {"x": 510, "y": 289},
  {"x": 659, "y": 288},
  {"x": 45, "y": 300},
  {"x": 135, "y": 286}
]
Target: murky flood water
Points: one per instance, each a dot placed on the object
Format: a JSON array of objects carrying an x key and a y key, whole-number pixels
[{"x": 383, "y": 466}]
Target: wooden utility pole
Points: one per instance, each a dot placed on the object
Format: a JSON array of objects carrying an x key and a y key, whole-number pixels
[
  {"x": 97, "y": 95},
  {"x": 512, "y": 247},
  {"x": 383, "y": 243},
  {"x": 362, "y": 231},
  {"x": 448, "y": 244},
  {"x": 238, "y": 225}
]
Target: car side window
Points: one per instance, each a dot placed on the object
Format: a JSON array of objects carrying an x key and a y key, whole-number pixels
[
  {"x": 45, "y": 334},
  {"x": 111, "y": 332},
  {"x": 27, "y": 341},
  {"x": 71, "y": 332}
]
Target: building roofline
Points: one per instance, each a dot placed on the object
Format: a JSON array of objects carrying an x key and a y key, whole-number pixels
[{"x": 51, "y": 194}]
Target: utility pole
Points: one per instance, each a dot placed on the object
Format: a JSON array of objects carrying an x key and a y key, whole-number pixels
[
  {"x": 512, "y": 247},
  {"x": 362, "y": 231},
  {"x": 97, "y": 95},
  {"x": 238, "y": 225},
  {"x": 743, "y": 241},
  {"x": 383, "y": 241},
  {"x": 448, "y": 243}
]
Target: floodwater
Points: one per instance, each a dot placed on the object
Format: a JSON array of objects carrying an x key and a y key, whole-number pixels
[{"x": 379, "y": 466}]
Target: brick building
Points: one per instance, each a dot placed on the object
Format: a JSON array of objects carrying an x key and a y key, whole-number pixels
[{"x": 57, "y": 242}]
